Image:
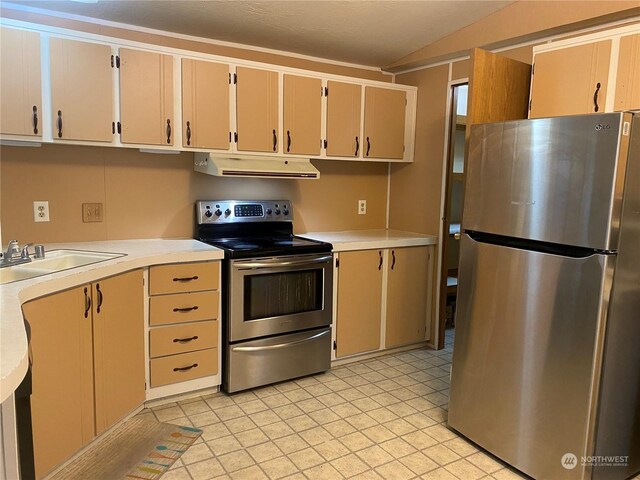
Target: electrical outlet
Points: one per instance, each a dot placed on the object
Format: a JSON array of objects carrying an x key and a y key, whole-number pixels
[
  {"x": 362, "y": 207},
  {"x": 41, "y": 211},
  {"x": 92, "y": 212}
]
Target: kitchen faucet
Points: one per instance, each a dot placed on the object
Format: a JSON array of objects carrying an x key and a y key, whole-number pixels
[{"x": 15, "y": 255}]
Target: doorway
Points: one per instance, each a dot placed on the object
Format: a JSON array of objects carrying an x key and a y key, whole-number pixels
[{"x": 454, "y": 194}]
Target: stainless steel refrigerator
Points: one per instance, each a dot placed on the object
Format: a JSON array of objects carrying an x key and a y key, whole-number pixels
[{"x": 546, "y": 359}]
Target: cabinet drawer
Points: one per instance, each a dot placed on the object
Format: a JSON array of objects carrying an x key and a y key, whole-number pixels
[
  {"x": 186, "y": 366},
  {"x": 183, "y": 277},
  {"x": 183, "y": 338},
  {"x": 183, "y": 307}
]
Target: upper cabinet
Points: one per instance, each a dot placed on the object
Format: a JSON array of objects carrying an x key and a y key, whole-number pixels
[
  {"x": 205, "y": 104},
  {"x": 146, "y": 97},
  {"x": 257, "y": 110},
  {"x": 302, "y": 115},
  {"x": 21, "y": 92},
  {"x": 592, "y": 74},
  {"x": 384, "y": 122},
  {"x": 344, "y": 108},
  {"x": 81, "y": 90}
]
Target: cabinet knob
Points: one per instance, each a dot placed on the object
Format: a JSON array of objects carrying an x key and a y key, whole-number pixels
[
  {"x": 188, "y": 133},
  {"x": 595, "y": 98},
  {"x": 357, "y": 147},
  {"x": 275, "y": 140},
  {"x": 59, "y": 123},
  {"x": 168, "y": 131},
  {"x": 35, "y": 120},
  {"x": 380, "y": 264},
  {"x": 368, "y": 146}
]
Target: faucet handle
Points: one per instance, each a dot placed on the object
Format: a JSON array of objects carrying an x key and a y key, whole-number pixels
[{"x": 25, "y": 250}]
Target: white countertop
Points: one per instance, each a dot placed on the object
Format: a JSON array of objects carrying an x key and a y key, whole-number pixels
[
  {"x": 139, "y": 253},
  {"x": 371, "y": 239}
]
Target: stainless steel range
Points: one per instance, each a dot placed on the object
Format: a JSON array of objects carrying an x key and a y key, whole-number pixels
[{"x": 277, "y": 302}]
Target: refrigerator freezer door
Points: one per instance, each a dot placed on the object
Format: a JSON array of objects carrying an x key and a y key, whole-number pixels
[
  {"x": 557, "y": 180},
  {"x": 527, "y": 329}
]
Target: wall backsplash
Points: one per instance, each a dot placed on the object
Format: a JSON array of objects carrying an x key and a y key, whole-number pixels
[{"x": 153, "y": 195}]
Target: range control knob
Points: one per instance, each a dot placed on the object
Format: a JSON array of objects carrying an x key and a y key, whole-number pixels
[
  {"x": 208, "y": 213},
  {"x": 277, "y": 211},
  {"x": 227, "y": 212},
  {"x": 218, "y": 212},
  {"x": 286, "y": 212},
  {"x": 269, "y": 211}
]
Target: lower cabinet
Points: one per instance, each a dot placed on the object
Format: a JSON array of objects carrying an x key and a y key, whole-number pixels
[
  {"x": 87, "y": 360},
  {"x": 384, "y": 290}
]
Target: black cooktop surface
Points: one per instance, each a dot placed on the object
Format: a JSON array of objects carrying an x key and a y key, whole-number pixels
[{"x": 250, "y": 247}]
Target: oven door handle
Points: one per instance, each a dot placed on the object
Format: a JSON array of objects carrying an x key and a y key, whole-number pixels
[
  {"x": 280, "y": 345},
  {"x": 286, "y": 263}
]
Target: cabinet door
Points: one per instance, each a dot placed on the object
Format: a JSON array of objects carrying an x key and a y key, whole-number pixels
[
  {"x": 21, "y": 92},
  {"x": 62, "y": 366},
  {"x": 81, "y": 90},
  {"x": 344, "y": 101},
  {"x": 302, "y": 115},
  {"x": 118, "y": 343},
  {"x": 205, "y": 104},
  {"x": 628, "y": 77},
  {"x": 408, "y": 281},
  {"x": 384, "y": 114},
  {"x": 146, "y": 97},
  {"x": 257, "y": 110},
  {"x": 359, "y": 302},
  {"x": 570, "y": 81}
]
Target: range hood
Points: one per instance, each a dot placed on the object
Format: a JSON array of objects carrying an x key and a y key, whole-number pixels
[{"x": 232, "y": 165}]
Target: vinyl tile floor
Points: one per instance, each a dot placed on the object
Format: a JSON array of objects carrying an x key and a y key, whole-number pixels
[{"x": 383, "y": 418}]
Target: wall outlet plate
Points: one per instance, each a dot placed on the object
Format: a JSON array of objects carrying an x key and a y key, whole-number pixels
[
  {"x": 362, "y": 207},
  {"x": 41, "y": 211}
]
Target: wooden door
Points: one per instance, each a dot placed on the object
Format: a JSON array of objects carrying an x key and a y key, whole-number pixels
[
  {"x": 118, "y": 343},
  {"x": 384, "y": 115},
  {"x": 498, "y": 91},
  {"x": 302, "y": 115},
  {"x": 344, "y": 101},
  {"x": 570, "y": 81},
  {"x": 21, "y": 92},
  {"x": 81, "y": 90},
  {"x": 257, "y": 110},
  {"x": 205, "y": 104},
  {"x": 407, "y": 292},
  {"x": 628, "y": 76},
  {"x": 146, "y": 97},
  {"x": 359, "y": 302},
  {"x": 61, "y": 354}
]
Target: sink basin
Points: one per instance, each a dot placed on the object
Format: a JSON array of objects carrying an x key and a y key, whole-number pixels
[{"x": 55, "y": 261}]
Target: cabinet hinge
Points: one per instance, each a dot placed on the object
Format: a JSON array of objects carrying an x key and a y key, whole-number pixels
[
  {"x": 335, "y": 345},
  {"x": 113, "y": 127},
  {"x": 235, "y": 137},
  {"x": 326, "y": 91}
]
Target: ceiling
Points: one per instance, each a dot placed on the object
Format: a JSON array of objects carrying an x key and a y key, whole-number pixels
[{"x": 365, "y": 32}]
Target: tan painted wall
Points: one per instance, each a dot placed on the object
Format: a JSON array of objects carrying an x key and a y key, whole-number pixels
[
  {"x": 153, "y": 195},
  {"x": 519, "y": 22},
  {"x": 167, "y": 41}
]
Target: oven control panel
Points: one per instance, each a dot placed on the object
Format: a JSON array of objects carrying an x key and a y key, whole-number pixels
[{"x": 237, "y": 211}]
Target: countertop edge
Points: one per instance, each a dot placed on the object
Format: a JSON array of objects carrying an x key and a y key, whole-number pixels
[{"x": 344, "y": 241}]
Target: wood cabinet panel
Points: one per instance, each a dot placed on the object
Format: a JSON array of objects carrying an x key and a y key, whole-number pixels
[
  {"x": 257, "y": 110},
  {"x": 146, "y": 97},
  {"x": 565, "y": 81},
  {"x": 183, "y": 307},
  {"x": 344, "y": 102},
  {"x": 628, "y": 78},
  {"x": 20, "y": 77},
  {"x": 384, "y": 119},
  {"x": 183, "y": 277},
  {"x": 61, "y": 351},
  {"x": 118, "y": 344},
  {"x": 408, "y": 282},
  {"x": 183, "y": 367},
  {"x": 183, "y": 338},
  {"x": 205, "y": 104},
  {"x": 302, "y": 115},
  {"x": 359, "y": 302},
  {"x": 81, "y": 90}
]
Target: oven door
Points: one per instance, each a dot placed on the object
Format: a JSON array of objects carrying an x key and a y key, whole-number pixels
[{"x": 269, "y": 296}]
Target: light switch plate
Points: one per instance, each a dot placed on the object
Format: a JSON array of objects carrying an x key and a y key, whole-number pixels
[
  {"x": 362, "y": 207},
  {"x": 92, "y": 212},
  {"x": 40, "y": 211}
]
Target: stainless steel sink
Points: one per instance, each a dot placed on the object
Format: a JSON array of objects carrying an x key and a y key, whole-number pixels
[{"x": 55, "y": 261}]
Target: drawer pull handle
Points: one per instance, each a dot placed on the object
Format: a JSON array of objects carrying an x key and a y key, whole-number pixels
[
  {"x": 185, "y": 279},
  {"x": 184, "y": 369},
  {"x": 185, "y": 340},
  {"x": 185, "y": 309}
]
